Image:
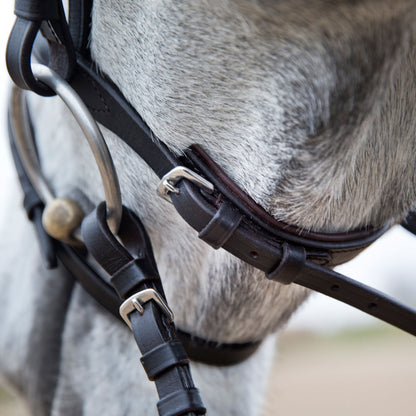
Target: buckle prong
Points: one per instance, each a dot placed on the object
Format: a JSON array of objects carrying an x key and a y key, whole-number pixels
[
  {"x": 167, "y": 184},
  {"x": 136, "y": 302}
]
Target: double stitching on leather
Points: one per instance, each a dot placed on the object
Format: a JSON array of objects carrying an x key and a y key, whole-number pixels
[
  {"x": 217, "y": 232},
  {"x": 163, "y": 357},
  {"x": 293, "y": 261}
]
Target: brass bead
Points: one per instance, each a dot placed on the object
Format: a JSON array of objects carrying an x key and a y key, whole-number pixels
[{"x": 61, "y": 217}]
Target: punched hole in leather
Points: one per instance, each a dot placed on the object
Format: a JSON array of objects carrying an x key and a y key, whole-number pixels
[
  {"x": 292, "y": 263},
  {"x": 221, "y": 227}
]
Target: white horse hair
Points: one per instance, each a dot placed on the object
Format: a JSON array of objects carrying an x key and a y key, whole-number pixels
[{"x": 308, "y": 105}]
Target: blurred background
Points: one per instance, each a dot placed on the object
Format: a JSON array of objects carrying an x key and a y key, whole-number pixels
[{"x": 332, "y": 359}]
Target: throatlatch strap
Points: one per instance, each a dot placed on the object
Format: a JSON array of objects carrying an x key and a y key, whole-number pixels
[{"x": 173, "y": 377}]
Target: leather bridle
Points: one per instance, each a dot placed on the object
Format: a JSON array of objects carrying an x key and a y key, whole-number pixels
[{"x": 209, "y": 201}]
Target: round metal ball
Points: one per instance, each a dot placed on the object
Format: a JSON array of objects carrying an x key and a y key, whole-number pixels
[{"x": 61, "y": 217}]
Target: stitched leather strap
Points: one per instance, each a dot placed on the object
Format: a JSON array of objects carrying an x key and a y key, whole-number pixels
[
  {"x": 226, "y": 188},
  {"x": 109, "y": 108},
  {"x": 198, "y": 349},
  {"x": 173, "y": 380},
  {"x": 216, "y": 353},
  {"x": 360, "y": 296}
]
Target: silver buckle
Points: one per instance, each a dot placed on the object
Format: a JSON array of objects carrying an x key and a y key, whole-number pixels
[
  {"x": 136, "y": 301},
  {"x": 168, "y": 182}
]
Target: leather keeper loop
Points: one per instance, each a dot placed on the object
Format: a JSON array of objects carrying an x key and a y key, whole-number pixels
[
  {"x": 127, "y": 279},
  {"x": 180, "y": 403},
  {"x": 292, "y": 263},
  {"x": 163, "y": 357},
  {"x": 221, "y": 227}
]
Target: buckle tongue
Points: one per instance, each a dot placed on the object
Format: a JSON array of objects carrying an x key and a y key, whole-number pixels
[
  {"x": 136, "y": 302},
  {"x": 168, "y": 182}
]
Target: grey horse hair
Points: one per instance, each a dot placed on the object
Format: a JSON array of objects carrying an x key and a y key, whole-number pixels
[{"x": 308, "y": 105}]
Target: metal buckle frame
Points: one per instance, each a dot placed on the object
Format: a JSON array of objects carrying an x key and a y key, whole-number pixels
[
  {"x": 168, "y": 182},
  {"x": 136, "y": 301}
]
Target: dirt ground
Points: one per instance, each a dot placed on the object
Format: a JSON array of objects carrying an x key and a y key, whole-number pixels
[
  {"x": 9, "y": 405},
  {"x": 371, "y": 373},
  {"x": 357, "y": 373}
]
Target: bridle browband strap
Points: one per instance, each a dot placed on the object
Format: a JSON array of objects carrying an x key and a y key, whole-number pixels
[{"x": 209, "y": 201}]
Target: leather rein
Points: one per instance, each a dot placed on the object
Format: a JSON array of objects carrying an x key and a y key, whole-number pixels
[{"x": 223, "y": 215}]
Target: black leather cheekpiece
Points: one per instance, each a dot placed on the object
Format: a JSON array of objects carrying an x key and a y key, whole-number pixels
[{"x": 164, "y": 359}]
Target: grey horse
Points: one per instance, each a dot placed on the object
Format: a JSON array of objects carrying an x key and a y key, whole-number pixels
[{"x": 309, "y": 105}]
